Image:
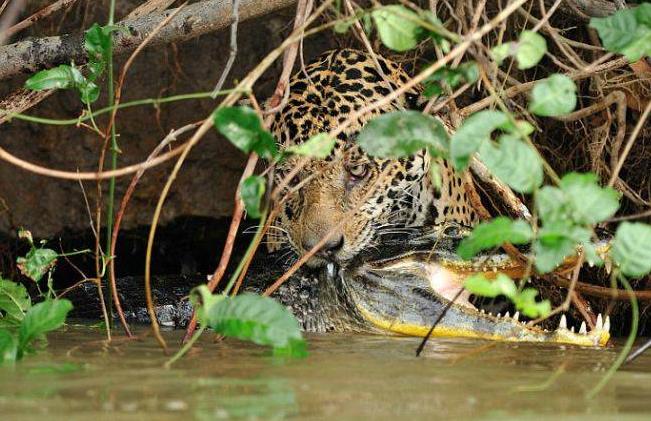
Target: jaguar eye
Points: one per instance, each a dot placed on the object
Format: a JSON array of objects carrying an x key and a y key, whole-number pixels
[{"x": 358, "y": 171}]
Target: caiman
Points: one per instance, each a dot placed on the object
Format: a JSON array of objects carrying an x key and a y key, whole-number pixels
[{"x": 387, "y": 291}]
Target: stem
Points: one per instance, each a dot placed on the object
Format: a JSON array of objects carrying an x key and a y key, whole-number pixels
[
  {"x": 146, "y": 101},
  {"x": 253, "y": 246},
  {"x": 627, "y": 346},
  {"x": 185, "y": 348},
  {"x": 114, "y": 155}
]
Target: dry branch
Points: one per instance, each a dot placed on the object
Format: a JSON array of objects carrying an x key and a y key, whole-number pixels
[{"x": 196, "y": 19}]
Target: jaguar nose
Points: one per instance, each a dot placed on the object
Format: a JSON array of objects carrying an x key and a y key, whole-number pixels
[{"x": 329, "y": 249}]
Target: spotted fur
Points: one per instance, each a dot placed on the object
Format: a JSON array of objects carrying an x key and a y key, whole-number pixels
[{"x": 366, "y": 196}]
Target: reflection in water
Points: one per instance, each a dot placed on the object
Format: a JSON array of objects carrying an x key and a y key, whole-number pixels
[{"x": 345, "y": 376}]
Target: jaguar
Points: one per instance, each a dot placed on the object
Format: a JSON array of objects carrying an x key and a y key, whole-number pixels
[{"x": 350, "y": 196}]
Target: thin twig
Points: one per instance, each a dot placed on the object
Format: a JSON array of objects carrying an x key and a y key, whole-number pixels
[
  {"x": 41, "y": 14},
  {"x": 297, "y": 33},
  {"x": 233, "y": 48},
  {"x": 8, "y": 18},
  {"x": 436, "y": 321},
  {"x": 172, "y": 136},
  {"x": 629, "y": 144}
]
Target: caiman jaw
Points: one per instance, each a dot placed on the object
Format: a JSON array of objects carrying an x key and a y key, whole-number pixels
[{"x": 405, "y": 296}]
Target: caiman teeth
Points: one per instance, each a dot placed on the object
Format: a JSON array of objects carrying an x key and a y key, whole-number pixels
[
  {"x": 607, "y": 324},
  {"x": 516, "y": 316},
  {"x": 583, "y": 330},
  {"x": 572, "y": 329},
  {"x": 563, "y": 322},
  {"x": 507, "y": 315},
  {"x": 599, "y": 324}
]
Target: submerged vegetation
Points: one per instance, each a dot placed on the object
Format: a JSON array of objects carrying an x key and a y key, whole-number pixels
[{"x": 568, "y": 211}]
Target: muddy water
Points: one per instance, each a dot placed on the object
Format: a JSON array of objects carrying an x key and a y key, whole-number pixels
[{"x": 345, "y": 377}]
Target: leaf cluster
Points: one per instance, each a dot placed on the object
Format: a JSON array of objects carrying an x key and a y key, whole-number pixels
[
  {"x": 251, "y": 317},
  {"x": 22, "y": 323},
  {"x": 97, "y": 43}
]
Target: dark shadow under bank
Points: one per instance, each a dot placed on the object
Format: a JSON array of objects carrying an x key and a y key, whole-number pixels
[{"x": 188, "y": 248}]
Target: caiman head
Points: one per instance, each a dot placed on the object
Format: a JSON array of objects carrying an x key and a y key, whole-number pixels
[{"x": 405, "y": 293}]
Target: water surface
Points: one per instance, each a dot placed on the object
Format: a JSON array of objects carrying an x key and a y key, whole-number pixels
[{"x": 80, "y": 377}]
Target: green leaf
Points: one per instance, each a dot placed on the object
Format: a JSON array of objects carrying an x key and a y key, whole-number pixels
[
  {"x": 528, "y": 51},
  {"x": 243, "y": 128},
  {"x": 631, "y": 248},
  {"x": 42, "y": 318},
  {"x": 251, "y": 191},
  {"x": 14, "y": 301},
  {"x": 88, "y": 92},
  {"x": 501, "y": 52},
  {"x": 475, "y": 129},
  {"x": 341, "y": 27},
  {"x": 37, "y": 263},
  {"x": 258, "y": 319},
  {"x": 494, "y": 233},
  {"x": 531, "y": 48},
  {"x": 466, "y": 72},
  {"x": 397, "y": 27},
  {"x": 514, "y": 162},
  {"x": 202, "y": 299},
  {"x": 552, "y": 205},
  {"x": 627, "y": 32},
  {"x": 502, "y": 285},
  {"x": 525, "y": 302},
  {"x": 61, "y": 77},
  {"x": 579, "y": 199},
  {"x": 8, "y": 347},
  {"x": 590, "y": 202},
  {"x": 551, "y": 251},
  {"x": 557, "y": 242},
  {"x": 616, "y": 31},
  {"x": 553, "y": 96},
  {"x": 403, "y": 133},
  {"x": 97, "y": 43},
  {"x": 319, "y": 146}
]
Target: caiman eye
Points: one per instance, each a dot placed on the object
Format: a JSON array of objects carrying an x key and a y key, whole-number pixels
[{"x": 358, "y": 171}]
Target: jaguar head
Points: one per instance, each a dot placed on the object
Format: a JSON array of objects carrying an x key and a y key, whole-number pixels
[{"x": 347, "y": 201}]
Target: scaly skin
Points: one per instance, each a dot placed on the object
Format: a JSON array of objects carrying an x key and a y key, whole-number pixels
[{"x": 403, "y": 295}]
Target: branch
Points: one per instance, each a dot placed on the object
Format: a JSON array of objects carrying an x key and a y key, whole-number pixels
[{"x": 197, "y": 19}]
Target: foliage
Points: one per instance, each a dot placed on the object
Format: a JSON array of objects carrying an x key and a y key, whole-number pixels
[
  {"x": 528, "y": 50},
  {"x": 251, "y": 191},
  {"x": 14, "y": 302},
  {"x": 553, "y": 96},
  {"x": 452, "y": 77},
  {"x": 243, "y": 128},
  {"x": 253, "y": 318},
  {"x": 476, "y": 130},
  {"x": 524, "y": 301},
  {"x": 627, "y": 32},
  {"x": 97, "y": 46},
  {"x": 397, "y": 26},
  {"x": 632, "y": 249},
  {"x": 494, "y": 233},
  {"x": 568, "y": 212},
  {"x": 403, "y": 133},
  {"x": 514, "y": 162},
  {"x": 37, "y": 263},
  {"x": 318, "y": 146},
  {"x": 23, "y": 324}
]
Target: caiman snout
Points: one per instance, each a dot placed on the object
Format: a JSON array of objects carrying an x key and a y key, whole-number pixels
[{"x": 405, "y": 294}]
